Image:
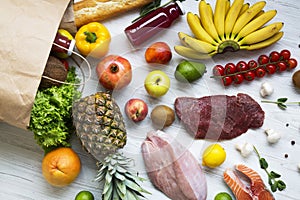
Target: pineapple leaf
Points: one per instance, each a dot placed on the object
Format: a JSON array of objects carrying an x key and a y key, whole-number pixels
[
  {"x": 121, "y": 186},
  {"x": 134, "y": 186},
  {"x": 119, "y": 176},
  {"x": 107, "y": 191},
  {"x": 131, "y": 195},
  {"x": 108, "y": 177}
]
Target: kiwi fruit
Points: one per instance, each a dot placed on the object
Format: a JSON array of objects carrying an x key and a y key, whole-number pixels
[
  {"x": 54, "y": 69},
  {"x": 296, "y": 79},
  {"x": 162, "y": 116}
]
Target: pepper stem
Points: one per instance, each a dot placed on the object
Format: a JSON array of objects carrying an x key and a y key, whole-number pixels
[{"x": 91, "y": 37}]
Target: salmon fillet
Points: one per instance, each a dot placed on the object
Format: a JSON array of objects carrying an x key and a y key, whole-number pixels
[{"x": 246, "y": 184}]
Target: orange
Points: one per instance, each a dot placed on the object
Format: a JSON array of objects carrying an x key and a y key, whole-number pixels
[{"x": 61, "y": 166}]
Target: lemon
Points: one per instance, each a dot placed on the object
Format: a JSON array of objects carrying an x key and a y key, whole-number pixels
[
  {"x": 222, "y": 196},
  {"x": 213, "y": 156},
  {"x": 84, "y": 195}
]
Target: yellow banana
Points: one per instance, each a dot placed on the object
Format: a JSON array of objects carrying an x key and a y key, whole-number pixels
[
  {"x": 207, "y": 20},
  {"x": 264, "y": 43},
  {"x": 244, "y": 8},
  {"x": 256, "y": 23},
  {"x": 197, "y": 29},
  {"x": 197, "y": 45},
  {"x": 219, "y": 16},
  {"x": 262, "y": 34},
  {"x": 191, "y": 53},
  {"x": 227, "y": 6},
  {"x": 232, "y": 16},
  {"x": 247, "y": 16}
]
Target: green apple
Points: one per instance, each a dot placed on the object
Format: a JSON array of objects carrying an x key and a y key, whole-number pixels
[{"x": 157, "y": 83}]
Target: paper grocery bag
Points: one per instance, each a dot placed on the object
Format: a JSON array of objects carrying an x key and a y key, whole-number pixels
[{"x": 28, "y": 29}]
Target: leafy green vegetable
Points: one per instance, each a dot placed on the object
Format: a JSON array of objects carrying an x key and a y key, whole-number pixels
[{"x": 51, "y": 119}]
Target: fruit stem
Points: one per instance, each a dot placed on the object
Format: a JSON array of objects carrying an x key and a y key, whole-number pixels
[
  {"x": 228, "y": 45},
  {"x": 114, "y": 68}
]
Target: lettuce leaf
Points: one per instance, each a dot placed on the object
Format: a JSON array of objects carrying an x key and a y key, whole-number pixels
[{"x": 51, "y": 114}]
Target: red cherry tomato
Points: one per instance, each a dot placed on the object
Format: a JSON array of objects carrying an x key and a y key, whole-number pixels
[
  {"x": 274, "y": 56},
  {"x": 263, "y": 59},
  {"x": 242, "y": 66},
  {"x": 260, "y": 72},
  {"x": 249, "y": 76},
  {"x": 238, "y": 78},
  {"x": 285, "y": 54},
  {"x": 230, "y": 68},
  {"x": 281, "y": 66},
  {"x": 292, "y": 63},
  {"x": 252, "y": 64},
  {"x": 271, "y": 68},
  {"x": 218, "y": 70},
  {"x": 227, "y": 80}
]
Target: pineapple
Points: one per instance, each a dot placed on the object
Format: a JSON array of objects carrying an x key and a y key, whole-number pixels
[{"x": 101, "y": 129}]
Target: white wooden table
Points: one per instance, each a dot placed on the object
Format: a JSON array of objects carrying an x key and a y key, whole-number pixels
[{"x": 20, "y": 157}]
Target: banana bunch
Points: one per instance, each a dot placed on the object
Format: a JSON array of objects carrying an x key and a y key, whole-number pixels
[{"x": 229, "y": 27}]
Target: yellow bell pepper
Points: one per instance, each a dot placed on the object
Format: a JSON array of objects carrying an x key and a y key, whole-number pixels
[{"x": 93, "y": 39}]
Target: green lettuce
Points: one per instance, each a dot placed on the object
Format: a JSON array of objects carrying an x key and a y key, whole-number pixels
[{"x": 51, "y": 114}]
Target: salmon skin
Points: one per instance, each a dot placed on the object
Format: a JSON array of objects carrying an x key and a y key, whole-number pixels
[{"x": 246, "y": 184}]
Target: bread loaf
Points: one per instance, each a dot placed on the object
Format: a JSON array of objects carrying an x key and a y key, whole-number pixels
[{"x": 86, "y": 11}]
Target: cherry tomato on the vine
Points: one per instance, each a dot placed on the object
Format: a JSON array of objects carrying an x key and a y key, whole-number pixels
[
  {"x": 242, "y": 66},
  {"x": 292, "y": 63},
  {"x": 238, "y": 78},
  {"x": 227, "y": 80},
  {"x": 260, "y": 72},
  {"x": 263, "y": 59},
  {"x": 285, "y": 54},
  {"x": 249, "y": 76},
  {"x": 252, "y": 64},
  {"x": 230, "y": 68},
  {"x": 274, "y": 56},
  {"x": 271, "y": 68},
  {"x": 218, "y": 70},
  {"x": 281, "y": 66}
]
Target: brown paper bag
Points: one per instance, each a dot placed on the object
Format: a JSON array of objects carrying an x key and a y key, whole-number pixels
[{"x": 28, "y": 29}]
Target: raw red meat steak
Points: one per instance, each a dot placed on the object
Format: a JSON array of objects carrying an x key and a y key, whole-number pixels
[{"x": 219, "y": 117}]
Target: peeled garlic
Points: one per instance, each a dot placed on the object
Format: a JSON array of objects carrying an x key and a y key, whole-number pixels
[
  {"x": 245, "y": 149},
  {"x": 266, "y": 89}
]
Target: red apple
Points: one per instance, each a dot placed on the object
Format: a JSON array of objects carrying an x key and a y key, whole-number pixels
[
  {"x": 158, "y": 52},
  {"x": 114, "y": 72},
  {"x": 136, "y": 109}
]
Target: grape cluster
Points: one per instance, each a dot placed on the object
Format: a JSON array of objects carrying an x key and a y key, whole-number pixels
[{"x": 237, "y": 73}]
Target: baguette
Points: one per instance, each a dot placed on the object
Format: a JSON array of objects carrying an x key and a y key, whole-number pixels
[{"x": 86, "y": 11}]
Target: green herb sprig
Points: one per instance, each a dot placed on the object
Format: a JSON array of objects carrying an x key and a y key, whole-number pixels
[
  {"x": 155, "y": 4},
  {"x": 281, "y": 102},
  {"x": 273, "y": 177}
]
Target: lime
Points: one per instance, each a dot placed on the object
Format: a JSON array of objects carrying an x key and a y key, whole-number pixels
[
  {"x": 84, "y": 195},
  {"x": 188, "y": 71},
  {"x": 213, "y": 156},
  {"x": 222, "y": 196}
]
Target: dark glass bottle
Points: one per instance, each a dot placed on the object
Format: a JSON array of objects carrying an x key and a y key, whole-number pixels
[{"x": 153, "y": 22}]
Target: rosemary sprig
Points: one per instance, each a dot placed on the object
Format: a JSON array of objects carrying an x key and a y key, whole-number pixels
[
  {"x": 155, "y": 4},
  {"x": 281, "y": 102},
  {"x": 273, "y": 177}
]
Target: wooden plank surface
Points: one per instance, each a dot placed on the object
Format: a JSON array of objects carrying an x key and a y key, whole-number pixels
[{"x": 20, "y": 157}]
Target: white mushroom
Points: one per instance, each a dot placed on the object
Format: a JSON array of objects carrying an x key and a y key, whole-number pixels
[
  {"x": 272, "y": 136},
  {"x": 245, "y": 149},
  {"x": 266, "y": 89}
]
